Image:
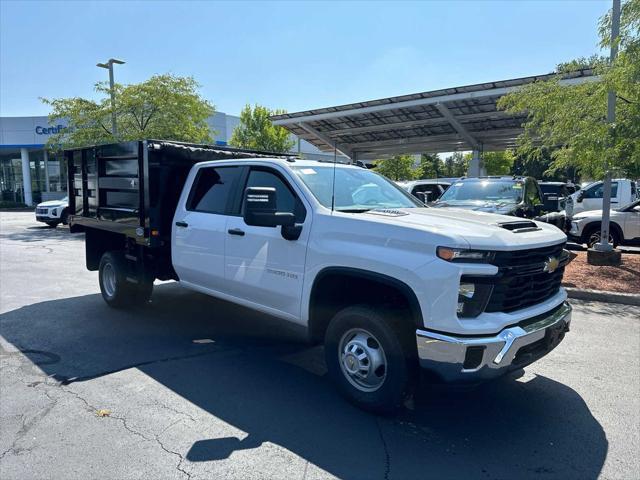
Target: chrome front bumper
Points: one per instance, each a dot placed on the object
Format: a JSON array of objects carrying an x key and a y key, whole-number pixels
[{"x": 476, "y": 358}]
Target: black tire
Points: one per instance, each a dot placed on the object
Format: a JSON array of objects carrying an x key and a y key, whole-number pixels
[
  {"x": 64, "y": 218},
  {"x": 116, "y": 290},
  {"x": 52, "y": 224},
  {"x": 591, "y": 236},
  {"x": 399, "y": 374}
]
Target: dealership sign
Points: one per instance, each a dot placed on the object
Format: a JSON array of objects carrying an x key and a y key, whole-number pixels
[{"x": 49, "y": 130}]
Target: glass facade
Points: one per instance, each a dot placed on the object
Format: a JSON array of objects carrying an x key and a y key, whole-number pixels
[{"x": 11, "y": 185}]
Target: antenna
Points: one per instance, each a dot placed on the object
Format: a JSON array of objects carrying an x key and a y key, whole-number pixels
[{"x": 333, "y": 186}]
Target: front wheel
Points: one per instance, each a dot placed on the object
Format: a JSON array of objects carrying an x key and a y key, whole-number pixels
[
  {"x": 593, "y": 237},
  {"x": 369, "y": 357},
  {"x": 52, "y": 224}
]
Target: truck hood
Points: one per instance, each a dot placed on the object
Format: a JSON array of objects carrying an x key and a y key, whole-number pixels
[
  {"x": 480, "y": 230},
  {"x": 53, "y": 203}
]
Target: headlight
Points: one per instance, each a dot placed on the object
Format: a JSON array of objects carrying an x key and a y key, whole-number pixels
[
  {"x": 463, "y": 255},
  {"x": 472, "y": 298}
]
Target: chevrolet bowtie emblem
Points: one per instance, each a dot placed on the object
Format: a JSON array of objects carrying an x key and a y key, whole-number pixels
[{"x": 551, "y": 265}]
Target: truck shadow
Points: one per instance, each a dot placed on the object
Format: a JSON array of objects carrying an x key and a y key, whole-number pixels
[
  {"x": 506, "y": 429},
  {"x": 39, "y": 232}
]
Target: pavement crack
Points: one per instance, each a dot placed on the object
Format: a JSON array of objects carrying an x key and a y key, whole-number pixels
[
  {"x": 26, "y": 425},
  {"x": 387, "y": 461},
  {"x": 127, "y": 427}
]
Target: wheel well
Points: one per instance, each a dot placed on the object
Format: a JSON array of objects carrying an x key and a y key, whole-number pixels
[
  {"x": 337, "y": 288},
  {"x": 97, "y": 242},
  {"x": 591, "y": 227}
]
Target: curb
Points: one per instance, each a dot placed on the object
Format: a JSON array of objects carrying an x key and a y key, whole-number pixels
[{"x": 602, "y": 296}]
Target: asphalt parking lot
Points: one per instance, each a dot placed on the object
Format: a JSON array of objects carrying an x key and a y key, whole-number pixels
[{"x": 193, "y": 387}]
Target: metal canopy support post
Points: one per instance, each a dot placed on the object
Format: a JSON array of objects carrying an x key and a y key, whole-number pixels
[
  {"x": 604, "y": 245},
  {"x": 457, "y": 126},
  {"x": 474, "y": 165},
  {"x": 325, "y": 139}
]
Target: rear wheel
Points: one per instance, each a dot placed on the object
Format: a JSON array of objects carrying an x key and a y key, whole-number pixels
[
  {"x": 116, "y": 289},
  {"x": 64, "y": 218},
  {"x": 369, "y": 358}
]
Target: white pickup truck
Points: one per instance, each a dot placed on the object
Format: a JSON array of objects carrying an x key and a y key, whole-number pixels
[
  {"x": 386, "y": 284},
  {"x": 623, "y": 192}
]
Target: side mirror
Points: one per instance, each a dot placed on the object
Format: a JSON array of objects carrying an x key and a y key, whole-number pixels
[
  {"x": 580, "y": 197},
  {"x": 260, "y": 209},
  {"x": 537, "y": 209}
]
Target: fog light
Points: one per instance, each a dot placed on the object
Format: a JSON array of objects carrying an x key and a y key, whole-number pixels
[
  {"x": 54, "y": 212},
  {"x": 472, "y": 298},
  {"x": 467, "y": 290}
]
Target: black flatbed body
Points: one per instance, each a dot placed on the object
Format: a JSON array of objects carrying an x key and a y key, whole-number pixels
[{"x": 133, "y": 188}]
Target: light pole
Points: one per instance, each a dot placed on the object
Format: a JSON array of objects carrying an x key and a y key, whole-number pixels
[
  {"x": 109, "y": 66},
  {"x": 603, "y": 245}
]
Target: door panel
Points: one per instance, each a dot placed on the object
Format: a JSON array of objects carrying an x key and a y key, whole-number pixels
[
  {"x": 261, "y": 266},
  {"x": 200, "y": 228}
]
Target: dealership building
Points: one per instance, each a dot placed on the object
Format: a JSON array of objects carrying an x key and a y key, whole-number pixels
[{"x": 31, "y": 174}]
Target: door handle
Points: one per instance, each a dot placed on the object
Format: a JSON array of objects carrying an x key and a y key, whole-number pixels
[
  {"x": 182, "y": 224},
  {"x": 236, "y": 231}
]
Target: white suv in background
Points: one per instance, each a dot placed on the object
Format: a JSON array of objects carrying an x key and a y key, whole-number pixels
[
  {"x": 53, "y": 212},
  {"x": 623, "y": 230}
]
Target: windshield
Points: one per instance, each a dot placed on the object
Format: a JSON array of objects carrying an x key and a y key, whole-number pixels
[
  {"x": 500, "y": 191},
  {"x": 356, "y": 189}
]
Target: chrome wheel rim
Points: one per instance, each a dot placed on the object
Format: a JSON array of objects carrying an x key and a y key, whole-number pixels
[
  {"x": 109, "y": 280},
  {"x": 595, "y": 238},
  {"x": 362, "y": 360}
]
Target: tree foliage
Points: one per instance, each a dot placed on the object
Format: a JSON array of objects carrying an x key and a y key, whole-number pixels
[
  {"x": 256, "y": 131},
  {"x": 456, "y": 165},
  {"x": 571, "y": 120},
  {"x": 398, "y": 167},
  {"x": 498, "y": 163},
  {"x": 430, "y": 166},
  {"x": 162, "y": 107}
]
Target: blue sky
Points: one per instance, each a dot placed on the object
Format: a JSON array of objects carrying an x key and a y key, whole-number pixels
[{"x": 292, "y": 55}]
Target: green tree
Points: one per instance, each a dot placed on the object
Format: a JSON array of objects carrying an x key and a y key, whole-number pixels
[
  {"x": 571, "y": 120},
  {"x": 430, "y": 166},
  {"x": 398, "y": 167},
  {"x": 162, "y": 107},
  {"x": 456, "y": 165},
  {"x": 497, "y": 163},
  {"x": 256, "y": 131}
]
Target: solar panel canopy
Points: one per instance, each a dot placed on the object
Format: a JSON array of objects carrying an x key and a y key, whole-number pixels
[{"x": 446, "y": 120}]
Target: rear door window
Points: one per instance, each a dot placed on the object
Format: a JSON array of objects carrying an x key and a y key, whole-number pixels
[{"x": 213, "y": 190}]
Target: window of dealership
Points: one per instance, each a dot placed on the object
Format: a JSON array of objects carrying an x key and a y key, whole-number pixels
[{"x": 46, "y": 172}]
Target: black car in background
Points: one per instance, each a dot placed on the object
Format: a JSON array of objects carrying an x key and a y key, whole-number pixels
[
  {"x": 517, "y": 196},
  {"x": 556, "y": 197}
]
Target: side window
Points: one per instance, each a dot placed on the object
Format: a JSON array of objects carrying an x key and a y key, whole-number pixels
[
  {"x": 533, "y": 195},
  {"x": 287, "y": 200},
  {"x": 213, "y": 189},
  {"x": 597, "y": 191}
]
